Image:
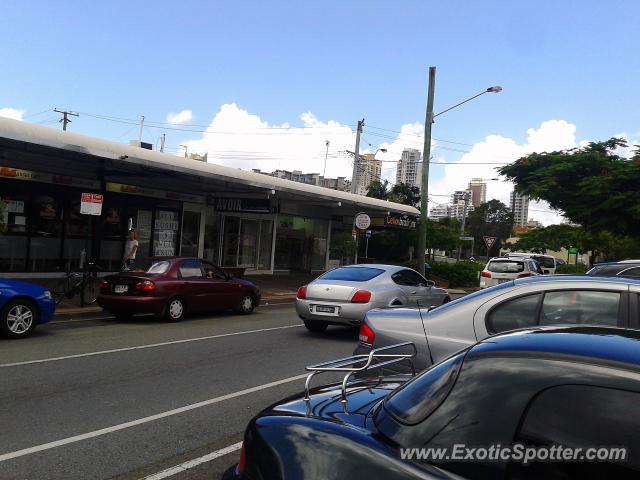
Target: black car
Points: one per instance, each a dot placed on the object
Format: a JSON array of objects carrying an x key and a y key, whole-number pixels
[
  {"x": 575, "y": 387},
  {"x": 623, "y": 268}
]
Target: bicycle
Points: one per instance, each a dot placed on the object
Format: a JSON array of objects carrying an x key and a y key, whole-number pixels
[{"x": 84, "y": 283}]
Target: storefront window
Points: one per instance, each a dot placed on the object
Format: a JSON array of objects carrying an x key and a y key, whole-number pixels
[
  {"x": 248, "y": 243},
  {"x": 266, "y": 239},
  {"x": 165, "y": 236},
  {"x": 111, "y": 244},
  {"x": 139, "y": 220},
  {"x": 45, "y": 234},
  {"x": 77, "y": 235},
  {"x": 190, "y": 236},
  {"x": 211, "y": 236},
  {"x": 301, "y": 243},
  {"x": 230, "y": 241},
  {"x": 13, "y": 233}
]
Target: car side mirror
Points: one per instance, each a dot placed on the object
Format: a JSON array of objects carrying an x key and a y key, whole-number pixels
[
  {"x": 431, "y": 283},
  {"x": 431, "y": 307}
]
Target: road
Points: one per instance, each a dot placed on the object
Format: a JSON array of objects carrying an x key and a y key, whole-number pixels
[{"x": 103, "y": 399}]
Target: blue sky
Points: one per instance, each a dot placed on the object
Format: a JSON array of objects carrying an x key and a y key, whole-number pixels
[{"x": 575, "y": 61}]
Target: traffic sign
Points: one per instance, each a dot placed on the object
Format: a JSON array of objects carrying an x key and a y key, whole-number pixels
[
  {"x": 573, "y": 250},
  {"x": 467, "y": 239},
  {"x": 363, "y": 221},
  {"x": 91, "y": 204},
  {"x": 489, "y": 241},
  {"x": 368, "y": 234}
]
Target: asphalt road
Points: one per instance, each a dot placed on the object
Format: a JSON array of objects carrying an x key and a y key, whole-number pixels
[{"x": 101, "y": 399}]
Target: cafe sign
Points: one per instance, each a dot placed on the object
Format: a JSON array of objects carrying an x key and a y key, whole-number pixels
[{"x": 406, "y": 222}]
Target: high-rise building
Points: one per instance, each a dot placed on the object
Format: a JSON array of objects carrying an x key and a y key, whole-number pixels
[
  {"x": 439, "y": 211},
  {"x": 520, "y": 209},
  {"x": 457, "y": 210},
  {"x": 478, "y": 189},
  {"x": 459, "y": 196},
  {"x": 368, "y": 170},
  {"x": 409, "y": 167}
]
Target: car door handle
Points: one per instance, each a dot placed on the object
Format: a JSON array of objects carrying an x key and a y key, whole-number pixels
[{"x": 414, "y": 292}]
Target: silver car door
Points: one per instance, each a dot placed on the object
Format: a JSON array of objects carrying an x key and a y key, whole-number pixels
[{"x": 408, "y": 285}]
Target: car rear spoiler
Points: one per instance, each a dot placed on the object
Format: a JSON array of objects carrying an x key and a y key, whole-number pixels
[{"x": 374, "y": 360}]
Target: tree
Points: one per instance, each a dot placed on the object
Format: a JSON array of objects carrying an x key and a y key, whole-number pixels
[
  {"x": 491, "y": 219},
  {"x": 593, "y": 186},
  {"x": 378, "y": 189},
  {"x": 442, "y": 234},
  {"x": 343, "y": 246},
  {"x": 405, "y": 194}
]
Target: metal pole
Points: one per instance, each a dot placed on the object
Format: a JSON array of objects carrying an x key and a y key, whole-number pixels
[
  {"x": 141, "y": 127},
  {"x": 356, "y": 158},
  {"x": 424, "y": 185},
  {"x": 162, "y": 140},
  {"x": 324, "y": 172},
  {"x": 464, "y": 218}
]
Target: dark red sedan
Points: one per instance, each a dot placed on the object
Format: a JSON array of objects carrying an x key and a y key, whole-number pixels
[{"x": 172, "y": 286}]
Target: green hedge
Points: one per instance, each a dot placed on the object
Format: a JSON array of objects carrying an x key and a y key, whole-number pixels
[
  {"x": 572, "y": 269},
  {"x": 459, "y": 275}
]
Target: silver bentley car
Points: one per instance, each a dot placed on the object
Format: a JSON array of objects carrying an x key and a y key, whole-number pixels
[{"x": 343, "y": 296}]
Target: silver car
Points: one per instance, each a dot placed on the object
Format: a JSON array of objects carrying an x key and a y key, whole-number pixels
[
  {"x": 525, "y": 303},
  {"x": 343, "y": 296}
]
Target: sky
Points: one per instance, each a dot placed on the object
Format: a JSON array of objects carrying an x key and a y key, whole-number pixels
[{"x": 264, "y": 85}]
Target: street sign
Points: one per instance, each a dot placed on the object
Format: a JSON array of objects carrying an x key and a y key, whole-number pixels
[
  {"x": 368, "y": 234},
  {"x": 467, "y": 239},
  {"x": 91, "y": 204},
  {"x": 573, "y": 250},
  {"x": 489, "y": 241},
  {"x": 363, "y": 221}
]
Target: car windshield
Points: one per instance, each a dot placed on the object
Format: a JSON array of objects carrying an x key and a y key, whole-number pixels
[
  {"x": 352, "y": 274},
  {"x": 417, "y": 399},
  {"x": 505, "y": 266},
  {"x": 157, "y": 268}
]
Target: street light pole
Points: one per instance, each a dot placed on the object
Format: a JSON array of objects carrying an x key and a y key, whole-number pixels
[
  {"x": 424, "y": 180},
  {"x": 464, "y": 218}
]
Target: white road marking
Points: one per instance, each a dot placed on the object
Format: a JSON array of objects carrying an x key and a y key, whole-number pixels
[
  {"x": 140, "y": 421},
  {"x": 141, "y": 347},
  {"x": 183, "y": 467}
]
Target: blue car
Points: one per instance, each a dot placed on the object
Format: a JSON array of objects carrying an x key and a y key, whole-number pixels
[{"x": 22, "y": 307}]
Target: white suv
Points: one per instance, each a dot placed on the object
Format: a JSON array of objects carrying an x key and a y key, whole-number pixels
[{"x": 505, "y": 269}]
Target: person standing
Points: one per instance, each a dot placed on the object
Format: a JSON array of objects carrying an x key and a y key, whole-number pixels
[{"x": 130, "y": 249}]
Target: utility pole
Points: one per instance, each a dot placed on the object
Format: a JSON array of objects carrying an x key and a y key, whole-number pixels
[
  {"x": 326, "y": 153},
  {"x": 65, "y": 117},
  {"x": 356, "y": 158},
  {"x": 185, "y": 150},
  {"x": 424, "y": 184},
  {"x": 162, "y": 139},
  {"x": 141, "y": 127},
  {"x": 464, "y": 218}
]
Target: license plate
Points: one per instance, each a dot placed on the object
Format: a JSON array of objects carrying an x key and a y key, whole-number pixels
[
  {"x": 504, "y": 280},
  {"x": 323, "y": 309},
  {"x": 121, "y": 288}
]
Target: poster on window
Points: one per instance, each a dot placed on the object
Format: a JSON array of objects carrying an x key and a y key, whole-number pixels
[{"x": 165, "y": 233}]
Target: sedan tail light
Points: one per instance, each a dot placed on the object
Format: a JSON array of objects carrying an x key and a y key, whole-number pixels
[
  {"x": 361, "y": 296},
  {"x": 366, "y": 334},
  {"x": 302, "y": 293},
  {"x": 104, "y": 285},
  {"x": 145, "y": 286},
  {"x": 486, "y": 274}
]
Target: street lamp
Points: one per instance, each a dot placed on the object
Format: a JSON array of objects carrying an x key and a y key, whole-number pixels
[{"x": 426, "y": 155}]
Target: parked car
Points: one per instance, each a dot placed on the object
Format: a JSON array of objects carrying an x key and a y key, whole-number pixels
[
  {"x": 504, "y": 269},
  {"x": 22, "y": 307},
  {"x": 578, "y": 387},
  {"x": 623, "y": 268},
  {"x": 172, "y": 286},
  {"x": 344, "y": 295},
  {"x": 529, "y": 302},
  {"x": 546, "y": 262}
]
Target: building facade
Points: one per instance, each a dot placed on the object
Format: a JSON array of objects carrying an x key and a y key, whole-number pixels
[
  {"x": 368, "y": 170},
  {"x": 176, "y": 206},
  {"x": 478, "y": 189},
  {"x": 440, "y": 211},
  {"x": 409, "y": 167},
  {"x": 520, "y": 209},
  {"x": 457, "y": 210}
]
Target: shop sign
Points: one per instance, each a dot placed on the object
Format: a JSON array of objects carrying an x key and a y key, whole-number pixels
[
  {"x": 240, "y": 205},
  {"x": 400, "y": 221},
  {"x": 362, "y": 221},
  {"x": 152, "y": 192},
  {"x": 31, "y": 176},
  {"x": 91, "y": 204}
]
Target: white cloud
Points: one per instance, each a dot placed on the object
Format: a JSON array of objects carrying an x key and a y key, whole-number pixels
[
  {"x": 551, "y": 135},
  {"x": 179, "y": 118},
  {"x": 239, "y": 139},
  {"x": 11, "y": 113}
]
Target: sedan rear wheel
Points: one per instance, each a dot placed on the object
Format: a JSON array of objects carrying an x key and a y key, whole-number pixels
[
  {"x": 18, "y": 319},
  {"x": 316, "y": 327},
  {"x": 175, "y": 310}
]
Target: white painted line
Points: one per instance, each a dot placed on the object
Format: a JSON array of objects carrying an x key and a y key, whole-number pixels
[
  {"x": 141, "y": 347},
  {"x": 140, "y": 421},
  {"x": 183, "y": 467}
]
